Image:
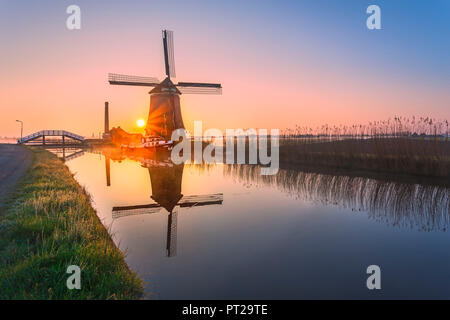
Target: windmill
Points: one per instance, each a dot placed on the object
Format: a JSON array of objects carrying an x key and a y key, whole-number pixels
[{"x": 165, "y": 113}]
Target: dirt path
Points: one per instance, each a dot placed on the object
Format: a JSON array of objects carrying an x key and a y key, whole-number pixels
[{"x": 14, "y": 161}]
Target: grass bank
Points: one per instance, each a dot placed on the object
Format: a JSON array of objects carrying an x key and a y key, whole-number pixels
[{"x": 49, "y": 224}]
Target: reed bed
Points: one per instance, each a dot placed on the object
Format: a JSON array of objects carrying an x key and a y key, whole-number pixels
[
  {"x": 412, "y": 146},
  {"x": 48, "y": 225}
]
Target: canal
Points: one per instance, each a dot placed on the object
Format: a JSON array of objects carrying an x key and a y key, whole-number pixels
[{"x": 226, "y": 232}]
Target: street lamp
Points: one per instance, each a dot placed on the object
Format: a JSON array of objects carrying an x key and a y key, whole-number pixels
[{"x": 21, "y": 128}]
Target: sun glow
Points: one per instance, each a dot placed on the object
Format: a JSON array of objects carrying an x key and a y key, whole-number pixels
[{"x": 140, "y": 123}]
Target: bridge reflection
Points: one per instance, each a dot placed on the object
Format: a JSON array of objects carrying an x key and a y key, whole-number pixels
[{"x": 67, "y": 153}]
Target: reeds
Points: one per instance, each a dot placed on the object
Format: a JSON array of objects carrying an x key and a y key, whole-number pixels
[
  {"x": 396, "y": 127},
  {"x": 413, "y": 146}
]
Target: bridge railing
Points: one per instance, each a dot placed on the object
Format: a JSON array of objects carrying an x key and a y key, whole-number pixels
[
  {"x": 29, "y": 137},
  {"x": 50, "y": 133}
]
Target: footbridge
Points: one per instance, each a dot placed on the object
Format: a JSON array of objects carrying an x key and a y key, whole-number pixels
[{"x": 52, "y": 137}]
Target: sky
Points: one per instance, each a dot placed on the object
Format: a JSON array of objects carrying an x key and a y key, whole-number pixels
[{"x": 281, "y": 63}]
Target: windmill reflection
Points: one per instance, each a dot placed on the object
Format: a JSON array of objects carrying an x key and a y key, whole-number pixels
[{"x": 166, "y": 179}]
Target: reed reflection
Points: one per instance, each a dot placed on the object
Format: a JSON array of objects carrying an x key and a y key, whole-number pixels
[
  {"x": 425, "y": 207},
  {"x": 166, "y": 181}
]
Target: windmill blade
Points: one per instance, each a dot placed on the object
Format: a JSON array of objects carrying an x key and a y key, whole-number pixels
[
  {"x": 169, "y": 57},
  {"x": 199, "y": 88},
  {"x": 119, "y": 212},
  {"x": 201, "y": 200},
  {"x": 171, "y": 242},
  {"x": 127, "y": 80}
]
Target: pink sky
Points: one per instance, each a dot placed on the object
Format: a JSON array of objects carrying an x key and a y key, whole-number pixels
[{"x": 57, "y": 79}]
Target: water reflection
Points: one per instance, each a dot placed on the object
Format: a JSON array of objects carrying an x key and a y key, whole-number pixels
[
  {"x": 407, "y": 205},
  {"x": 108, "y": 170},
  {"x": 274, "y": 237},
  {"x": 166, "y": 181},
  {"x": 66, "y": 153},
  {"x": 425, "y": 207}
]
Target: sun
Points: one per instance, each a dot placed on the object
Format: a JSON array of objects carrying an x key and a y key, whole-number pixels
[{"x": 140, "y": 123}]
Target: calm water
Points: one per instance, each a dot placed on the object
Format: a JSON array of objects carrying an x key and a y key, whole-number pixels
[{"x": 224, "y": 232}]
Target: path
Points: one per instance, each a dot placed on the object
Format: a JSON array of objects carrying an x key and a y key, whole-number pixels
[{"x": 14, "y": 161}]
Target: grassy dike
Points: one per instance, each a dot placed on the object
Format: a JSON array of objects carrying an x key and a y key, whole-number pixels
[{"x": 49, "y": 224}]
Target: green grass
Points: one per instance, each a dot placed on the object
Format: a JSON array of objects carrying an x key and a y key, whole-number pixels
[{"x": 49, "y": 224}]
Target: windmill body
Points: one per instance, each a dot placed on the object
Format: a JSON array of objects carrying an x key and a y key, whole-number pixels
[{"x": 165, "y": 110}]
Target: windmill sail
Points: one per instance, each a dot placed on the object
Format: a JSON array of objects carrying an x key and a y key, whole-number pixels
[
  {"x": 169, "y": 57},
  {"x": 171, "y": 242},
  {"x": 127, "y": 80},
  {"x": 184, "y": 202},
  {"x": 119, "y": 212},
  {"x": 199, "y": 88},
  {"x": 201, "y": 200}
]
